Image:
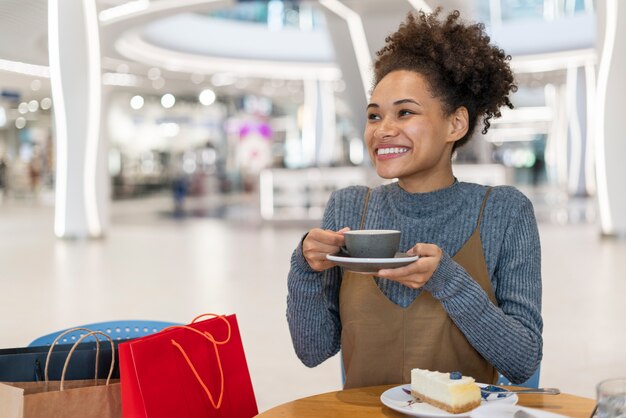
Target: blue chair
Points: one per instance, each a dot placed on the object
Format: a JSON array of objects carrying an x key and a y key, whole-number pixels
[
  {"x": 117, "y": 330},
  {"x": 532, "y": 382}
]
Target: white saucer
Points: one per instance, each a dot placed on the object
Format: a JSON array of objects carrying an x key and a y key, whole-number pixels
[
  {"x": 399, "y": 400},
  {"x": 370, "y": 265}
]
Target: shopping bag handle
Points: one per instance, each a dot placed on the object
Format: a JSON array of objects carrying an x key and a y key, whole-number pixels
[
  {"x": 56, "y": 340},
  {"x": 69, "y": 355},
  {"x": 215, "y": 343}
]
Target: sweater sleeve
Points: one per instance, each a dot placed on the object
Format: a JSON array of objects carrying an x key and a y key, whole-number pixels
[
  {"x": 508, "y": 335},
  {"x": 313, "y": 304}
]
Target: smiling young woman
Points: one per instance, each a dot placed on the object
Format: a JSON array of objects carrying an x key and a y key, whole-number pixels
[
  {"x": 408, "y": 134},
  {"x": 471, "y": 302}
]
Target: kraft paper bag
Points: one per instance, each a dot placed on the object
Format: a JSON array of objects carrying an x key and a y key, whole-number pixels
[
  {"x": 65, "y": 398},
  {"x": 11, "y": 401},
  {"x": 78, "y": 399}
]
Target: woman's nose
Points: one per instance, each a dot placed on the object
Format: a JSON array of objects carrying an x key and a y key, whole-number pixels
[{"x": 387, "y": 128}]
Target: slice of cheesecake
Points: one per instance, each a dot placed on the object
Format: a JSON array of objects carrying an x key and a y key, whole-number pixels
[{"x": 448, "y": 391}]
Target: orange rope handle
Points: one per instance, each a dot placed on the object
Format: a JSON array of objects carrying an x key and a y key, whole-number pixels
[
  {"x": 212, "y": 315},
  {"x": 207, "y": 334},
  {"x": 199, "y": 379},
  {"x": 210, "y": 338}
]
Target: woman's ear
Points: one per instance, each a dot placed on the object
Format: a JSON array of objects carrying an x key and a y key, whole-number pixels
[{"x": 459, "y": 124}]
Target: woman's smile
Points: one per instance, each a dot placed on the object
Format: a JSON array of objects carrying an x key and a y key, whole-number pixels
[{"x": 387, "y": 152}]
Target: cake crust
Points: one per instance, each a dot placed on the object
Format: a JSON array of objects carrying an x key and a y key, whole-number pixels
[{"x": 453, "y": 410}]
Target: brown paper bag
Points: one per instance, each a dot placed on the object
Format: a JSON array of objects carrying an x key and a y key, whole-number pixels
[
  {"x": 62, "y": 399},
  {"x": 78, "y": 399}
]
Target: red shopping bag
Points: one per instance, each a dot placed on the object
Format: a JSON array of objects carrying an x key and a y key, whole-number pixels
[{"x": 195, "y": 370}]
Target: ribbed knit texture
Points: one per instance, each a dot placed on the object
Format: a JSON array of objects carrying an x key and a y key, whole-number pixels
[{"x": 508, "y": 335}]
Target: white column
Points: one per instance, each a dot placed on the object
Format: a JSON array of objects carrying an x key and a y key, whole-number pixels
[
  {"x": 81, "y": 171},
  {"x": 610, "y": 136},
  {"x": 358, "y": 29},
  {"x": 346, "y": 30},
  {"x": 326, "y": 124},
  {"x": 318, "y": 123},
  {"x": 577, "y": 130}
]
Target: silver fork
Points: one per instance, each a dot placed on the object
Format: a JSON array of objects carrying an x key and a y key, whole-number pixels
[
  {"x": 492, "y": 391},
  {"x": 544, "y": 391}
]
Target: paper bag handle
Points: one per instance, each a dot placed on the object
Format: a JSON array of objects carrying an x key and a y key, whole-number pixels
[
  {"x": 215, "y": 343},
  {"x": 69, "y": 355},
  {"x": 56, "y": 340}
]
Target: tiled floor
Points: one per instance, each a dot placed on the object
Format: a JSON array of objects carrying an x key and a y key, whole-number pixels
[{"x": 153, "y": 266}]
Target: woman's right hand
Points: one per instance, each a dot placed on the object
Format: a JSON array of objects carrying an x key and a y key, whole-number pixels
[{"x": 320, "y": 242}]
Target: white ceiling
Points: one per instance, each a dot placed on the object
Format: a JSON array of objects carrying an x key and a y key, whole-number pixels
[
  {"x": 176, "y": 36},
  {"x": 188, "y": 46},
  {"x": 23, "y": 31}
]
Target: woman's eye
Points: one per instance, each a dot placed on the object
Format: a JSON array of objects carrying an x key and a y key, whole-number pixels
[
  {"x": 405, "y": 112},
  {"x": 372, "y": 116}
]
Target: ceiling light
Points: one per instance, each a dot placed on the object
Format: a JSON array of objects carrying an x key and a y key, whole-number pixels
[
  {"x": 3, "y": 117},
  {"x": 22, "y": 108},
  {"x": 168, "y": 100},
  {"x": 207, "y": 97},
  {"x": 46, "y": 103},
  {"x": 136, "y": 102},
  {"x": 33, "y": 105},
  {"x": 20, "y": 122},
  {"x": 35, "y": 85}
]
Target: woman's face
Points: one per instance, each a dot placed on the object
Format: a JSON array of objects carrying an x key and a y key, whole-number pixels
[{"x": 408, "y": 135}]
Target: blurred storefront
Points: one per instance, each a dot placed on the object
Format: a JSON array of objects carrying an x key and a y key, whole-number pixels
[{"x": 169, "y": 129}]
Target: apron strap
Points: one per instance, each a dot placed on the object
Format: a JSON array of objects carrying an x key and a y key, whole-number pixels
[
  {"x": 480, "y": 215},
  {"x": 367, "y": 198}
]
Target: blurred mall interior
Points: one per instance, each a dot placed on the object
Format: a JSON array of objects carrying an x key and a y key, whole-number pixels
[{"x": 162, "y": 158}]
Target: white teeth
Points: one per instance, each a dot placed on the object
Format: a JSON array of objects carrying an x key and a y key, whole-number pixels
[{"x": 384, "y": 151}]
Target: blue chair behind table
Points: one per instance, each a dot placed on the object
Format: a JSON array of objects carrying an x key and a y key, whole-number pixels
[
  {"x": 532, "y": 382},
  {"x": 117, "y": 330}
]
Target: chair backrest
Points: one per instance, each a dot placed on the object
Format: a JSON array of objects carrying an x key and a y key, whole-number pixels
[
  {"x": 117, "y": 330},
  {"x": 532, "y": 382}
]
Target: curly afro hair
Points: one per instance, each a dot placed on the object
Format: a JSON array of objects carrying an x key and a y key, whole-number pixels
[{"x": 461, "y": 67}]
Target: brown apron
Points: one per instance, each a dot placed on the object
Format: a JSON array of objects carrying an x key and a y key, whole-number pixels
[{"x": 381, "y": 341}]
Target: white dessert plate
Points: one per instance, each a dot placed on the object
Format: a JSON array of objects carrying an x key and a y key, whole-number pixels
[
  {"x": 370, "y": 265},
  {"x": 397, "y": 399},
  {"x": 499, "y": 410}
]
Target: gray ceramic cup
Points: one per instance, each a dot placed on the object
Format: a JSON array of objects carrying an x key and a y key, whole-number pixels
[{"x": 372, "y": 243}]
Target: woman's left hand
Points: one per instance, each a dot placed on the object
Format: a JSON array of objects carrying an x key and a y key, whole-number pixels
[{"x": 416, "y": 274}]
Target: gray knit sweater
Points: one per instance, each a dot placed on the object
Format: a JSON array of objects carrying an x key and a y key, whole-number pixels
[{"x": 508, "y": 335}]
